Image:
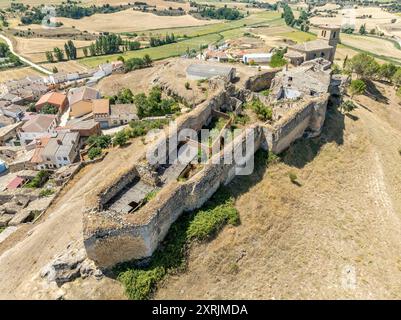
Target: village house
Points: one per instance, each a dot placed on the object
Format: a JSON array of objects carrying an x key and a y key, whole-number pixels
[
  {"x": 13, "y": 111},
  {"x": 56, "y": 99},
  {"x": 324, "y": 47},
  {"x": 121, "y": 114},
  {"x": 101, "y": 112},
  {"x": 84, "y": 125},
  {"x": 5, "y": 121},
  {"x": 39, "y": 126},
  {"x": 80, "y": 100},
  {"x": 115, "y": 115},
  {"x": 8, "y": 134}
]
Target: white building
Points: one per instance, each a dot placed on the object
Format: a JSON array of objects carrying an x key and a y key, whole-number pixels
[
  {"x": 60, "y": 150},
  {"x": 41, "y": 125},
  {"x": 257, "y": 57}
]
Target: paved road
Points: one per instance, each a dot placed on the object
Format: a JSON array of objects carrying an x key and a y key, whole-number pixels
[{"x": 26, "y": 61}]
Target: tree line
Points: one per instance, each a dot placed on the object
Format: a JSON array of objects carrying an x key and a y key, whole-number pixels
[
  {"x": 155, "y": 42},
  {"x": 105, "y": 44},
  {"x": 302, "y": 22},
  {"x": 70, "y": 52},
  {"x": 220, "y": 13}
]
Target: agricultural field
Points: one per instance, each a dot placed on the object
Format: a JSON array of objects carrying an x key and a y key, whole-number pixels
[
  {"x": 66, "y": 66},
  {"x": 200, "y": 36},
  {"x": 380, "y": 19},
  {"x": 158, "y": 3},
  {"x": 130, "y": 20},
  {"x": 156, "y": 53},
  {"x": 378, "y": 46},
  {"x": 17, "y": 73}
]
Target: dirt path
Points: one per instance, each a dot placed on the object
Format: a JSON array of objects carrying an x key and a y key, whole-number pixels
[
  {"x": 335, "y": 236},
  {"x": 31, "y": 248}
]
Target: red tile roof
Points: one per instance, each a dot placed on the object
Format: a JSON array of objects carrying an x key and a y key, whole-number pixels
[
  {"x": 15, "y": 183},
  {"x": 53, "y": 98}
]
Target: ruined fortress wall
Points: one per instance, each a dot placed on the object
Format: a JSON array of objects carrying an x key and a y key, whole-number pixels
[
  {"x": 114, "y": 189},
  {"x": 307, "y": 116},
  {"x": 147, "y": 227},
  {"x": 135, "y": 236},
  {"x": 261, "y": 81}
]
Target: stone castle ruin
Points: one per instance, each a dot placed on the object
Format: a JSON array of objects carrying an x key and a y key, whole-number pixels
[{"x": 123, "y": 224}]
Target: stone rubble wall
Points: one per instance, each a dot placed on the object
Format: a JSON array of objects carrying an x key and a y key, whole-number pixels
[{"x": 261, "y": 81}]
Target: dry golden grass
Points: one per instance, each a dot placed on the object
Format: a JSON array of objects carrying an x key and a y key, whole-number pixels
[
  {"x": 35, "y": 48},
  {"x": 336, "y": 236},
  {"x": 17, "y": 73},
  {"x": 130, "y": 20},
  {"x": 66, "y": 66},
  {"x": 379, "y": 18}
]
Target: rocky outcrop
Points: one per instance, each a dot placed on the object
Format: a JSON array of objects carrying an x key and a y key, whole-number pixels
[{"x": 71, "y": 264}]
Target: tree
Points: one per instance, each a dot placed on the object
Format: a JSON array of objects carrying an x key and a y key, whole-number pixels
[
  {"x": 277, "y": 60},
  {"x": 85, "y": 51},
  {"x": 92, "y": 49},
  {"x": 397, "y": 78},
  {"x": 187, "y": 85},
  {"x": 71, "y": 49},
  {"x": 94, "y": 152},
  {"x": 363, "y": 65},
  {"x": 102, "y": 141},
  {"x": 49, "y": 56},
  {"x": 67, "y": 51},
  {"x": 357, "y": 87},
  {"x": 55, "y": 70},
  {"x": 59, "y": 54},
  {"x": 49, "y": 109},
  {"x": 288, "y": 15},
  {"x": 362, "y": 29},
  {"x": 120, "y": 138},
  {"x": 147, "y": 60}
]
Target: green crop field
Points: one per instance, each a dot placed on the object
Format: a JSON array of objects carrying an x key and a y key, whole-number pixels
[{"x": 157, "y": 53}]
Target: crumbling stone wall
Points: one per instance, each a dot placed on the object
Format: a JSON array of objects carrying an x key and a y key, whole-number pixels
[
  {"x": 261, "y": 81},
  {"x": 136, "y": 236},
  {"x": 110, "y": 239}
]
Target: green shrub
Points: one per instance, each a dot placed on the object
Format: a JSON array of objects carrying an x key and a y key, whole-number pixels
[
  {"x": 347, "y": 106},
  {"x": 102, "y": 141},
  {"x": 187, "y": 85},
  {"x": 150, "y": 196},
  {"x": 357, "y": 87},
  {"x": 2, "y": 229},
  {"x": 46, "y": 192},
  {"x": 94, "y": 152},
  {"x": 140, "y": 128},
  {"x": 277, "y": 60},
  {"x": 262, "y": 111},
  {"x": 120, "y": 138},
  {"x": 293, "y": 177},
  {"x": 39, "y": 180}
]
